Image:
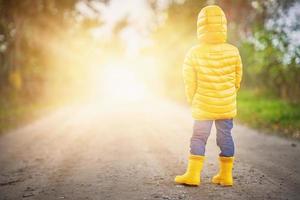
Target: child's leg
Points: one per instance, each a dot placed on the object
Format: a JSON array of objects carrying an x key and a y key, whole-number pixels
[
  {"x": 224, "y": 138},
  {"x": 196, "y": 159},
  {"x": 201, "y": 132},
  {"x": 225, "y": 142}
]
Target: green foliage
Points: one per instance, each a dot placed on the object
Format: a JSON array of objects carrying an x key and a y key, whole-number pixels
[
  {"x": 265, "y": 70},
  {"x": 14, "y": 113},
  {"x": 26, "y": 29},
  {"x": 263, "y": 111}
]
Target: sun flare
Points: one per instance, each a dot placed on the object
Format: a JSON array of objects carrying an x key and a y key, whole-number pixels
[{"x": 116, "y": 81}]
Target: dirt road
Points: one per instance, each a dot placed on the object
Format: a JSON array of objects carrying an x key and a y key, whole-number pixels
[{"x": 130, "y": 151}]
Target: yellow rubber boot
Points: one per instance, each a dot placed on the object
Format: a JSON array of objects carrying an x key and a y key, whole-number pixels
[
  {"x": 193, "y": 172},
  {"x": 224, "y": 177}
]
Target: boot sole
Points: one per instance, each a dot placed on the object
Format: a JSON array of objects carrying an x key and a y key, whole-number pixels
[
  {"x": 222, "y": 184},
  {"x": 187, "y": 183},
  {"x": 219, "y": 182},
  {"x": 226, "y": 185}
]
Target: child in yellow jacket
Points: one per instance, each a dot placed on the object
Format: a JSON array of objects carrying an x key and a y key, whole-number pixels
[{"x": 212, "y": 73}]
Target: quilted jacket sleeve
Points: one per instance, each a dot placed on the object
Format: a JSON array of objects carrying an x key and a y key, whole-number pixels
[
  {"x": 189, "y": 77},
  {"x": 238, "y": 72}
]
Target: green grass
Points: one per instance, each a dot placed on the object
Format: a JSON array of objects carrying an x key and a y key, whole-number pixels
[
  {"x": 15, "y": 114},
  {"x": 269, "y": 113}
]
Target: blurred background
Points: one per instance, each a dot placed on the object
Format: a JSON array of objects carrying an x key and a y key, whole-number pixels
[{"x": 59, "y": 52}]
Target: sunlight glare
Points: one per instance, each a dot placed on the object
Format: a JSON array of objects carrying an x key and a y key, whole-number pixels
[{"x": 117, "y": 82}]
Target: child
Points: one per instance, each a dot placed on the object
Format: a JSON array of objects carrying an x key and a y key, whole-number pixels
[{"x": 212, "y": 73}]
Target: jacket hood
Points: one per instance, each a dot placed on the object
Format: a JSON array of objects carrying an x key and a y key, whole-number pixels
[{"x": 212, "y": 25}]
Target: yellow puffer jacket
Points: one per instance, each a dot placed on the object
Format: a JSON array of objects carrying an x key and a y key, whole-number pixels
[{"x": 212, "y": 70}]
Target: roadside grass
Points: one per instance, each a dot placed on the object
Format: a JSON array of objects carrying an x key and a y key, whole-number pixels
[
  {"x": 269, "y": 113},
  {"x": 13, "y": 115}
]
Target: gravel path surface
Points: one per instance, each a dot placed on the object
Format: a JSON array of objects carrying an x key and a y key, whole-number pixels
[{"x": 131, "y": 151}]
